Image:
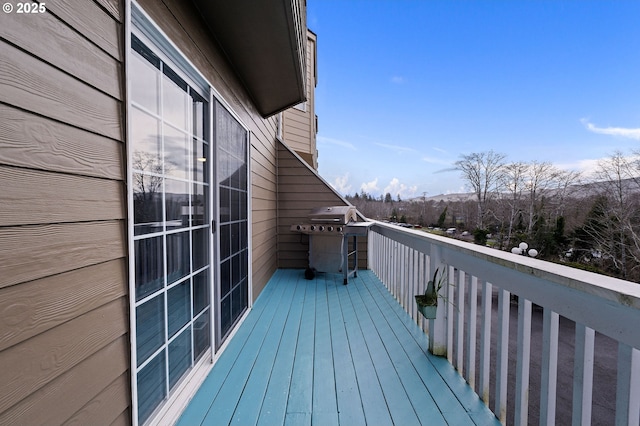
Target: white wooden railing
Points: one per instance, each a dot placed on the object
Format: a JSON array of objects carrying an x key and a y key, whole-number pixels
[{"x": 405, "y": 259}]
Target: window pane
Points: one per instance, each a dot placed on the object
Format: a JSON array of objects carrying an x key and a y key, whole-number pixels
[
  {"x": 144, "y": 83},
  {"x": 179, "y": 356},
  {"x": 149, "y": 261},
  {"x": 145, "y": 139},
  {"x": 149, "y": 327},
  {"x": 235, "y": 270},
  {"x": 200, "y": 161},
  {"x": 147, "y": 204},
  {"x": 200, "y": 117},
  {"x": 200, "y": 291},
  {"x": 235, "y": 204},
  {"x": 177, "y": 203},
  {"x": 176, "y": 153},
  {"x": 151, "y": 386},
  {"x": 200, "y": 248},
  {"x": 199, "y": 205},
  {"x": 174, "y": 99},
  {"x": 201, "y": 335},
  {"x": 225, "y": 241},
  {"x": 225, "y": 204},
  {"x": 178, "y": 256},
  {"x": 225, "y": 314},
  {"x": 225, "y": 277},
  {"x": 178, "y": 307}
]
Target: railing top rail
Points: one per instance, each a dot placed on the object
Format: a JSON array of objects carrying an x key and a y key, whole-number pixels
[{"x": 609, "y": 305}]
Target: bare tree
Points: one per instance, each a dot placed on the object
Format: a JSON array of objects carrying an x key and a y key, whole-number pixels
[
  {"x": 541, "y": 176},
  {"x": 618, "y": 237},
  {"x": 482, "y": 171},
  {"x": 512, "y": 185}
]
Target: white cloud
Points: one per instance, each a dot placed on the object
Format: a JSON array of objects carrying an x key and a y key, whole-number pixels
[
  {"x": 434, "y": 160},
  {"x": 398, "y": 148},
  {"x": 613, "y": 131},
  {"x": 331, "y": 141},
  {"x": 395, "y": 187},
  {"x": 398, "y": 79},
  {"x": 370, "y": 187},
  {"x": 341, "y": 184}
]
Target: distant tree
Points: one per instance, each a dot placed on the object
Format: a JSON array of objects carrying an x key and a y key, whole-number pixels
[
  {"x": 394, "y": 215},
  {"x": 480, "y": 236},
  {"x": 482, "y": 171},
  {"x": 403, "y": 219},
  {"x": 399, "y": 200},
  {"x": 387, "y": 198},
  {"x": 442, "y": 218}
]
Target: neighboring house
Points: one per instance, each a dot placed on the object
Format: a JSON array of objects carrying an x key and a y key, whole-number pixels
[
  {"x": 300, "y": 123},
  {"x": 146, "y": 196}
]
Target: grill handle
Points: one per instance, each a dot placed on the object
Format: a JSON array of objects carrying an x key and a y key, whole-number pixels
[{"x": 324, "y": 220}]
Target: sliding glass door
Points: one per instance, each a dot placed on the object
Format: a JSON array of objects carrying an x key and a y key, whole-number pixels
[{"x": 171, "y": 225}]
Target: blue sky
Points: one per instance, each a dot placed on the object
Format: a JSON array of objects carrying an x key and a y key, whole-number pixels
[{"x": 406, "y": 87}]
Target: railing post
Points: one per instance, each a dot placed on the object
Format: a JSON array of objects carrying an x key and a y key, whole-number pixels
[{"x": 438, "y": 326}]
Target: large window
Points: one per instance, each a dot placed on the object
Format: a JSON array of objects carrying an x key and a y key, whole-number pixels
[{"x": 171, "y": 225}]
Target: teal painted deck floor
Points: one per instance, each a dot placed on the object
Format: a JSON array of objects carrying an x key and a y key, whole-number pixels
[{"x": 319, "y": 352}]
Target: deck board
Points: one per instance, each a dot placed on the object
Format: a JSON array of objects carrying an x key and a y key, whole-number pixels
[{"x": 318, "y": 352}]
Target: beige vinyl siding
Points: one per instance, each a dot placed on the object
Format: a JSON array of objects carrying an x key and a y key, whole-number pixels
[
  {"x": 175, "y": 18},
  {"x": 299, "y": 127},
  {"x": 301, "y": 189},
  {"x": 64, "y": 344}
]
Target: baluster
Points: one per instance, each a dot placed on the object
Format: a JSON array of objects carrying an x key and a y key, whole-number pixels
[
  {"x": 503, "y": 356},
  {"x": 460, "y": 322},
  {"x": 450, "y": 288},
  {"x": 471, "y": 333},
  {"x": 523, "y": 361},
  {"x": 583, "y": 375},
  {"x": 628, "y": 388},
  {"x": 550, "y": 323},
  {"x": 485, "y": 341}
]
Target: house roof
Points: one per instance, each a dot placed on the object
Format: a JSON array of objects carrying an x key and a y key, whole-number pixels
[{"x": 265, "y": 43}]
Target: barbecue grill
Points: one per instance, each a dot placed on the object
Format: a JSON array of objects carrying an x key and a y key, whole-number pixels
[{"x": 329, "y": 229}]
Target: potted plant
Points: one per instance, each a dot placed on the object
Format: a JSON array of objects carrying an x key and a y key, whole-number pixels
[{"x": 428, "y": 302}]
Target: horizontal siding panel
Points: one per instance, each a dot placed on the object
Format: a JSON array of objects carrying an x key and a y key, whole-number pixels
[
  {"x": 264, "y": 204},
  {"x": 300, "y": 131},
  {"x": 41, "y": 359},
  {"x": 263, "y": 216},
  {"x": 90, "y": 20},
  {"x": 262, "y": 187},
  {"x": 32, "y": 141},
  {"x": 301, "y": 199},
  {"x": 124, "y": 419},
  {"x": 33, "y": 252},
  {"x": 34, "y": 197},
  {"x": 106, "y": 406},
  {"x": 32, "y": 85},
  {"x": 113, "y": 7},
  {"x": 56, "y": 43},
  {"x": 31, "y": 308},
  {"x": 295, "y": 179},
  {"x": 71, "y": 390}
]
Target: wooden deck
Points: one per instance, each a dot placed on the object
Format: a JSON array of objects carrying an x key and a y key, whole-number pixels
[{"x": 319, "y": 352}]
